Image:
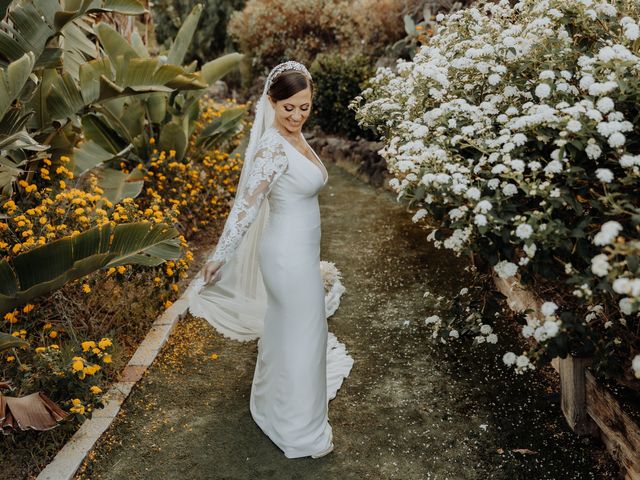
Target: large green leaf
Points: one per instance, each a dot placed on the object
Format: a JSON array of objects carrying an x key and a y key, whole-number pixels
[
  {"x": 49, "y": 267},
  {"x": 13, "y": 79},
  {"x": 96, "y": 128},
  {"x": 113, "y": 43},
  {"x": 141, "y": 245},
  {"x": 9, "y": 341},
  {"x": 90, "y": 154},
  {"x": 173, "y": 136},
  {"x": 65, "y": 99},
  {"x": 218, "y": 68},
  {"x": 184, "y": 36},
  {"x": 221, "y": 127},
  {"x": 118, "y": 185},
  {"x": 77, "y": 8}
]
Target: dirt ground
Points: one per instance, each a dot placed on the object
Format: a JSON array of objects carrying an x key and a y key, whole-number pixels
[{"x": 409, "y": 409}]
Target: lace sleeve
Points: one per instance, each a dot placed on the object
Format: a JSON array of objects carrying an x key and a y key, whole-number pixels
[{"x": 269, "y": 163}]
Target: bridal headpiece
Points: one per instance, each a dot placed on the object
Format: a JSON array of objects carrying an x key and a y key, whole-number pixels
[{"x": 284, "y": 67}]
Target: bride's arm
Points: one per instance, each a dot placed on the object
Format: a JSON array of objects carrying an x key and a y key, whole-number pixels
[{"x": 269, "y": 163}]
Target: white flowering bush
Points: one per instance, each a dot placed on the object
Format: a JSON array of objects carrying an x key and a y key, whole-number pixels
[{"x": 514, "y": 130}]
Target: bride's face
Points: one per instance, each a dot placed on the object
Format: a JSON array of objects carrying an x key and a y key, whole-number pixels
[{"x": 292, "y": 112}]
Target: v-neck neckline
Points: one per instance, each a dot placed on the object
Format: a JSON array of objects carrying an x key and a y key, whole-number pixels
[{"x": 307, "y": 158}]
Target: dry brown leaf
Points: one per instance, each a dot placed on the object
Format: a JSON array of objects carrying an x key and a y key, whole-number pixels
[
  {"x": 524, "y": 451},
  {"x": 35, "y": 411}
]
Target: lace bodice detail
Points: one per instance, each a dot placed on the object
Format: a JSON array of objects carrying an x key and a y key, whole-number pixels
[{"x": 269, "y": 163}]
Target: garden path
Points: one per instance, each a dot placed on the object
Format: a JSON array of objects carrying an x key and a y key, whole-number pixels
[{"x": 409, "y": 409}]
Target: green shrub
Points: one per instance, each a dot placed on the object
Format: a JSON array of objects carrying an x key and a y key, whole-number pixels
[{"x": 338, "y": 80}]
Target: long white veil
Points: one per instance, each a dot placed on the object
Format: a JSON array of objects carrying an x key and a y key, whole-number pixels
[{"x": 236, "y": 304}]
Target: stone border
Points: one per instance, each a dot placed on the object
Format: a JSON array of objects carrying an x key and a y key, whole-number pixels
[{"x": 67, "y": 461}]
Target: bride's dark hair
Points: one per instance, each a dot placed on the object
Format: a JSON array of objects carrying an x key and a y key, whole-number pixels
[{"x": 289, "y": 83}]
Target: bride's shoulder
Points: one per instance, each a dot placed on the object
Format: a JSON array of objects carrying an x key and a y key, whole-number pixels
[{"x": 271, "y": 140}]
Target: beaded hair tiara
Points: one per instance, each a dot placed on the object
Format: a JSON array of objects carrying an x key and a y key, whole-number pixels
[{"x": 284, "y": 67}]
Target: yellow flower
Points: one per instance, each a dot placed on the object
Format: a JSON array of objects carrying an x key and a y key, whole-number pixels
[
  {"x": 104, "y": 343},
  {"x": 11, "y": 317},
  {"x": 10, "y": 358},
  {"x": 122, "y": 269},
  {"x": 40, "y": 349},
  {"x": 106, "y": 358},
  {"x": 152, "y": 140},
  {"x": 77, "y": 365},
  {"x": 79, "y": 409},
  {"x": 96, "y": 351},
  {"x": 86, "y": 288},
  {"x": 214, "y": 356},
  {"x": 111, "y": 270},
  {"x": 47, "y": 326},
  {"x": 28, "y": 307},
  {"x": 168, "y": 303},
  {"x": 95, "y": 390},
  {"x": 53, "y": 334},
  {"x": 76, "y": 402},
  {"x": 86, "y": 346}
]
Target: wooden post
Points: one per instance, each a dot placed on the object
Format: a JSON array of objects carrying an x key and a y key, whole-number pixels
[
  {"x": 573, "y": 394},
  {"x": 620, "y": 432}
]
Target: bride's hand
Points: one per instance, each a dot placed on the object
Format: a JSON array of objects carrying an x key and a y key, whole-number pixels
[{"x": 211, "y": 270}]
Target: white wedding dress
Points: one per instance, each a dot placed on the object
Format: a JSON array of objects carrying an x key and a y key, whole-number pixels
[{"x": 300, "y": 364}]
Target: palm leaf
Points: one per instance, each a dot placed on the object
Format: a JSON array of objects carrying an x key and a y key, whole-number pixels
[{"x": 49, "y": 267}]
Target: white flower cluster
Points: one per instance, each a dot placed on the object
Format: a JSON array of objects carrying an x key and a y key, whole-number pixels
[
  {"x": 545, "y": 329},
  {"x": 521, "y": 363},
  {"x": 329, "y": 273},
  {"x": 491, "y": 144}
]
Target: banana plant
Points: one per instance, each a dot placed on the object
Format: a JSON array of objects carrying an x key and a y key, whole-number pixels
[
  {"x": 168, "y": 115},
  {"x": 49, "y": 267}
]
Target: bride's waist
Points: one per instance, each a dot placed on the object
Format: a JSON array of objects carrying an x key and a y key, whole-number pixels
[{"x": 295, "y": 210}]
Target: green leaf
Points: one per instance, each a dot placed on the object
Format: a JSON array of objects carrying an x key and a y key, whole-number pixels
[
  {"x": 409, "y": 25},
  {"x": 9, "y": 341},
  {"x": 118, "y": 185},
  {"x": 184, "y": 37},
  {"x": 113, "y": 43},
  {"x": 97, "y": 129},
  {"x": 49, "y": 267},
  {"x": 220, "y": 126},
  {"x": 13, "y": 79},
  {"x": 216, "y": 69},
  {"x": 173, "y": 136},
  {"x": 90, "y": 154}
]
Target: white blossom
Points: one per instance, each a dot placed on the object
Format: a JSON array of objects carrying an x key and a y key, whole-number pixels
[
  {"x": 505, "y": 269},
  {"x": 600, "y": 265},
  {"x": 524, "y": 230},
  {"x": 604, "y": 175},
  {"x": 509, "y": 358},
  {"x": 608, "y": 232}
]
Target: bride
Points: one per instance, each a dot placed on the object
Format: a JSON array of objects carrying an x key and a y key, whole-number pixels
[{"x": 264, "y": 278}]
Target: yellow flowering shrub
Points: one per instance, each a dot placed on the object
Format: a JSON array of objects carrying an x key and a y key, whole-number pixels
[{"x": 81, "y": 335}]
